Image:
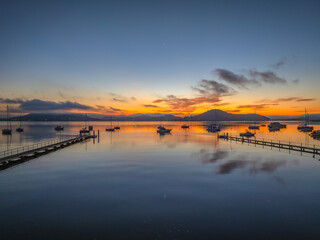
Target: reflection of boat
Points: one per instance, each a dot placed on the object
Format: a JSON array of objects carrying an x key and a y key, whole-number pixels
[
  {"x": 315, "y": 134},
  {"x": 247, "y": 134},
  {"x": 8, "y": 129},
  {"x": 19, "y": 128},
  {"x": 305, "y": 127},
  {"x": 162, "y": 130}
]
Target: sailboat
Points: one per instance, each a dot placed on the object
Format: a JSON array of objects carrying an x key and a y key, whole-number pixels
[
  {"x": 110, "y": 129},
  {"x": 214, "y": 127},
  {"x": 305, "y": 127},
  {"x": 254, "y": 126},
  {"x": 59, "y": 127},
  {"x": 185, "y": 125},
  {"x": 8, "y": 129},
  {"x": 19, "y": 129},
  {"x": 85, "y": 129},
  {"x": 117, "y": 127}
]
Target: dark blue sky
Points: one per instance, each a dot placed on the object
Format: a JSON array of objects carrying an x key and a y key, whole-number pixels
[{"x": 155, "y": 47}]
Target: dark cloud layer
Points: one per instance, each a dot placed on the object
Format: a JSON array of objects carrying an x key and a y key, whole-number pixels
[
  {"x": 150, "y": 106},
  {"x": 257, "y": 106},
  {"x": 267, "y": 77},
  {"x": 253, "y": 77},
  {"x": 236, "y": 79},
  {"x": 209, "y": 91},
  {"x": 36, "y": 105}
]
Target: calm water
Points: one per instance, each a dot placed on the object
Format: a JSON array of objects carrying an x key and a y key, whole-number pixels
[{"x": 135, "y": 184}]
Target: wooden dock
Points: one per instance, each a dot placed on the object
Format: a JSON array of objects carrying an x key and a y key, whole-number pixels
[
  {"x": 273, "y": 144},
  {"x": 19, "y": 155}
]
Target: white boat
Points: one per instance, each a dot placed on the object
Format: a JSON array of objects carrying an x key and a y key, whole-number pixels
[
  {"x": 19, "y": 128},
  {"x": 8, "y": 129},
  {"x": 184, "y": 126},
  {"x": 254, "y": 127},
  {"x": 163, "y": 130},
  {"x": 275, "y": 125},
  {"x": 213, "y": 128},
  {"x": 110, "y": 129},
  {"x": 315, "y": 134},
  {"x": 247, "y": 134},
  {"x": 305, "y": 127},
  {"x": 86, "y": 128},
  {"x": 59, "y": 128}
]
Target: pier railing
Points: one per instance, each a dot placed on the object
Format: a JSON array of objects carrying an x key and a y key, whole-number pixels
[
  {"x": 314, "y": 149},
  {"x": 22, "y": 149}
]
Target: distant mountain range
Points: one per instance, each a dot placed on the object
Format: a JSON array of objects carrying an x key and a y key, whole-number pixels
[
  {"x": 312, "y": 117},
  {"x": 211, "y": 115}
]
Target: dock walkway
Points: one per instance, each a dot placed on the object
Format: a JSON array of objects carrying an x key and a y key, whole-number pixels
[
  {"x": 21, "y": 154},
  {"x": 273, "y": 144}
]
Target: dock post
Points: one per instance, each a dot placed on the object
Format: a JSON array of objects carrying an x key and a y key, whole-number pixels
[{"x": 98, "y": 135}]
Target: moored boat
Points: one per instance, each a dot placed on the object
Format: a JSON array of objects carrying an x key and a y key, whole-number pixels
[
  {"x": 19, "y": 128},
  {"x": 247, "y": 134},
  {"x": 305, "y": 127},
  {"x": 8, "y": 129},
  {"x": 276, "y": 125},
  {"x": 184, "y": 126},
  {"x": 315, "y": 134},
  {"x": 163, "y": 130},
  {"x": 213, "y": 128},
  {"x": 254, "y": 127}
]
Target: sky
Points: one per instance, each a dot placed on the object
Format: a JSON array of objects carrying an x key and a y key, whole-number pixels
[{"x": 175, "y": 57}]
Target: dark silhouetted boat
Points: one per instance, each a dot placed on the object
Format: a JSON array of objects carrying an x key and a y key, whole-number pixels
[
  {"x": 162, "y": 130},
  {"x": 247, "y": 134},
  {"x": 110, "y": 129},
  {"x": 19, "y": 128},
  {"x": 86, "y": 128},
  {"x": 8, "y": 129},
  {"x": 305, "y": 127}
]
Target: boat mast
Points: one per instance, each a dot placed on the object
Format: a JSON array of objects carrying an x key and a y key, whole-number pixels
[{"x": 8, "y": 117}]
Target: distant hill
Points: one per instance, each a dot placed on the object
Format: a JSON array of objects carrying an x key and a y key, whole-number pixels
[
  {"x": 93, "y": 117},
  {"x": 312, "y": 117},
  {"x": 219, "y": 115},
  {"x": 212, "y": 115}
]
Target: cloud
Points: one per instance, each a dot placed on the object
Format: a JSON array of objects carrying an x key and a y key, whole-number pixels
[
  {"x": 280, "y": 63},
  {"x": 267, "y": 77},
  {"x": 11, "y": 101},
  {"x": 36, "y": 105},
  {"x": 257, "y": 106},
  {"x": 288, "y": 99},
  {"x": 115, "y": 109},
  {"x": 150, "y": 106},
  {"x": 236, "y": 79},
  {"x": 213, "y": 88},
  {"x": 119, "y": 100},
  {"x": 209, "y": 91},
  {"x": 306, "y": 99},
  {"x": 133, "y": 98}
]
